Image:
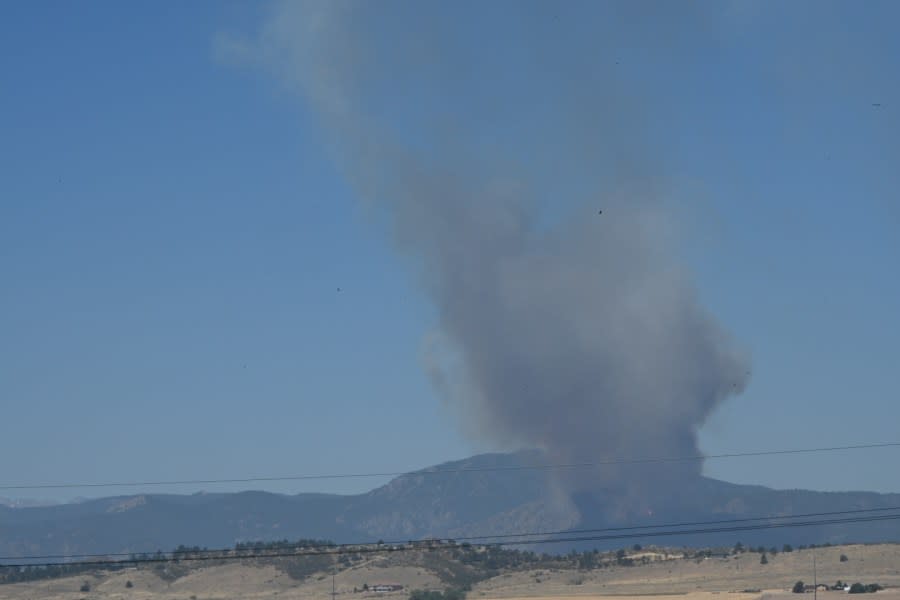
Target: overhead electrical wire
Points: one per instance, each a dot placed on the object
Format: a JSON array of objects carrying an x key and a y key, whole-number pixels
[
  {"x": 472, "y": 538},
  {"x": 683, "y": 524},
  {"x": 519, "y": 539},
  {"x": 431, "y": 544},
  {"x": 449, "y": 471}
]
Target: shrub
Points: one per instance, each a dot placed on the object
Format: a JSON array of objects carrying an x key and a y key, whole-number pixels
[
  {"x": 763, "y": 560},
  {"x": 85, "y": 587},
  {"x": 128, "y": 584},
  {"x": 787, "y": 548},
  {"x": 798, "y": 588},
  {"x": 844, "y": 558},
  {"x": 857, "y": 588}
]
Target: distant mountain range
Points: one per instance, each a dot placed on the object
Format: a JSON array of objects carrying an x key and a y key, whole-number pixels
[{"x": 467, "y": 501}]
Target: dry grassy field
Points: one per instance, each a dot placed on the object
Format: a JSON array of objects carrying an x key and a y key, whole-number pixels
[
  {"x": 876, "y": 563},
  {"x": 673, "y": 579}
]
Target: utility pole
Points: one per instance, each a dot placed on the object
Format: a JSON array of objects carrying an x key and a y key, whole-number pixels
[{"x": 815, "y": 578}]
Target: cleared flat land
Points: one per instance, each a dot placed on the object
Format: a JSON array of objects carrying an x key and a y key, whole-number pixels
[
  {"x": 763, "y": 595},
  {"x": 877, "y": 563},
  {"x": 672, "y": 579}
]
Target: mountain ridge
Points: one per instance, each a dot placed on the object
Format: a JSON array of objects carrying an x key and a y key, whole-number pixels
[{"x": 466, "y": 498}]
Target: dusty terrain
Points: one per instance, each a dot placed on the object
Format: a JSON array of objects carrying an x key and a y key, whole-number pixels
[
  {"x": 675, "y": 578},
  {"x": 877, "y": 563}
]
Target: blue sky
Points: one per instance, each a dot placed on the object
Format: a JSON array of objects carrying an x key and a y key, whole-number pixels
[{"x": 173, "y": 235}]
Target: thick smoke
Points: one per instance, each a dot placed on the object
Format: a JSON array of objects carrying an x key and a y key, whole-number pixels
[{"x": 560, "y": 327}]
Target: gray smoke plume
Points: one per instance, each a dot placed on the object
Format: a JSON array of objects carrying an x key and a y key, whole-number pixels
[{"x": 544, "y": 237}]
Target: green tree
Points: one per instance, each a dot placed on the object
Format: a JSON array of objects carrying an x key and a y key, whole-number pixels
[
  {"x": 587, "y": 560},
  {"x": 787, "y": 548}
]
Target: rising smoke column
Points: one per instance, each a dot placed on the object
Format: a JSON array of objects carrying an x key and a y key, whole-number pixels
[{"x": 580, "y": 334}]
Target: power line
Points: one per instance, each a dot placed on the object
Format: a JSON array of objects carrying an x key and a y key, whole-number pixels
[
  {"x": 372, "y": 548},
  {"x": 337, "y": 550},
  {"x": 499, "y": 536},
  {"x": 666, "y": 533},
  {"x": 544, "y": 467},
  {"x": 683, "y": 524}
]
